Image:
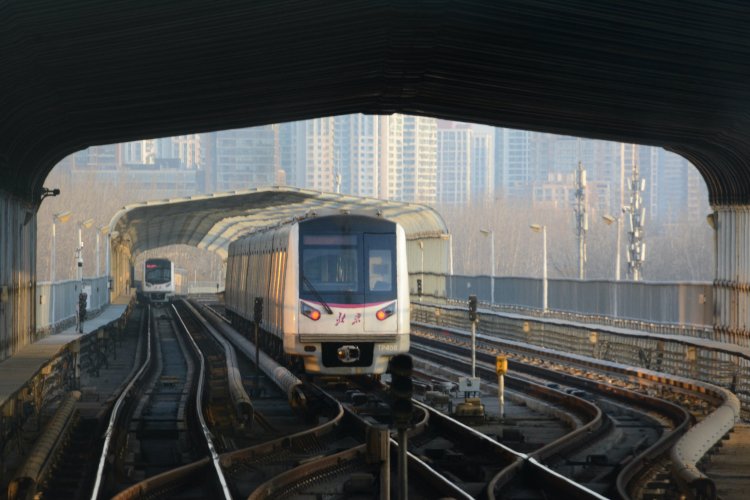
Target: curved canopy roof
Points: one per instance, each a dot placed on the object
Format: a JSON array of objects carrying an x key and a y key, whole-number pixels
[
  {"x": 213, "y": 221},
  {"x": 668, "y": 72}
]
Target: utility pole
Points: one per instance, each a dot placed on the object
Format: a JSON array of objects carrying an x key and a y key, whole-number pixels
[
  {"x": 636, "y": 214},
  {"x": 582, "y": 219}
]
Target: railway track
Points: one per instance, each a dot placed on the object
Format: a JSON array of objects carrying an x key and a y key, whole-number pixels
[
  {"x": 63, "y": 462},
  {"x": 160, "y": 412},
  {"x": 650, "y": 424},
  {"x": 446, "y": 458},
  {"x": 343, "y": 451}
]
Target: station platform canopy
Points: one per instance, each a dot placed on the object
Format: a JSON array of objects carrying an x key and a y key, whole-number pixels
[{"x": 213, "y": 221}]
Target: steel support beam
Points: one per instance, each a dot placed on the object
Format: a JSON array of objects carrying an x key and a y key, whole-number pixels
[
  {"x": 17, "y": 273},
  {"x": 732, "y": 276}
]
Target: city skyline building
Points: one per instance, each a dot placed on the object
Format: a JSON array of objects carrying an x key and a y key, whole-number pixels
[
  {"x": 361, "y": 143},
  {"x": 454, "y": 172},
  {"x": 242, "y": 158},
  {"x": 512, "y": 163},
  {"x": 405, "y": 158},
  {"x": 482, "y": 167},
  {"x": 419, "y": 157}
]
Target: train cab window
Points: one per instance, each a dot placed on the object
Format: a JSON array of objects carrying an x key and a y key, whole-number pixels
[
  {"x": 380, "y": 251},
  {"x": 158, "y": 272},
  {"x": 380, "y": 276},
  {"x": 330, "y": 263}
]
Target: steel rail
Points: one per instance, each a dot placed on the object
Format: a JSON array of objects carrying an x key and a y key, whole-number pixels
[
  {"x": 285, "y": 442},
  {"x": 199, "y": 410},
  {"x": 170, "y": 480},
  {"x": 282, "y": 377},
  {"x": 591, "y": 418},
  {"x": 518, "y": 461},
  {"x": 687, "y": 446},
  {"x": 240, "y": 400},
  {"x": 285, "y": 482},
  {"x": 166, "y": 481},
  {"x": 116, "y": 413}
]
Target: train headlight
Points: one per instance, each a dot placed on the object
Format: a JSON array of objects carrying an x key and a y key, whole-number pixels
[
  {"x": 310, "y": 312},
  {"x": 386, "y": 312}
]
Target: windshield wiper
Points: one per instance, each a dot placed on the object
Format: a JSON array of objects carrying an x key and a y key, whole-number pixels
[{"x": 317, "y": 295}]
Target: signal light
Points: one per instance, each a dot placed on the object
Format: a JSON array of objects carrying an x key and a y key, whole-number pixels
[
  {"x": 473, "y": 308},
  {"x": 310, "y": 312},
  {"x": 386, "y": 312},
  {"x": 401, "y": 390}
]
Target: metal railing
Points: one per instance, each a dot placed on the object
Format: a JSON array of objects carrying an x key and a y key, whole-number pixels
[
  {"x": 66, "y": 301},
  {"x": 676, "y": 308}
]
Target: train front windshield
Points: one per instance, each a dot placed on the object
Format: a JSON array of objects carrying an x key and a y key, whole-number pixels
[
  {"x": 158, "y": 273},
  {"x": 348, "y": 268}
]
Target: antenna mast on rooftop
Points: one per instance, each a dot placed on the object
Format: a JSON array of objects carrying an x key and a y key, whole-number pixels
[{"x": 636, "y": 214}]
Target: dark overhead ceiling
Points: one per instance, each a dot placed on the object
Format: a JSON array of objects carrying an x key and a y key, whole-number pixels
[{"x": 673, "y": 73}]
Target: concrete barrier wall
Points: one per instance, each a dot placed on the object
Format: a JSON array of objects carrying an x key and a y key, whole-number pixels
[{"x": 680, "y": 303}]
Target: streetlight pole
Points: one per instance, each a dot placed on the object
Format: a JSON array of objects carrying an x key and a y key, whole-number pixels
[
  {"x": 108, "y": 262},
  {"x": 609, "y": 219},
  {"x": 97, "y": 254},
  {"x": 543, "y": 229},
  {"x": 59, "y": 217},
  {"x": 87, "y": 224},
  {"x": 105, "y": 231},
  {"x": 421, "y": 266},
  {"x": 491, "y": 235}
]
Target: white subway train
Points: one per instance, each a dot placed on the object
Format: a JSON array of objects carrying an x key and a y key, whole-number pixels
[
  {"x": 335, "y": 292},
  {"x": 158, "y": 280}
]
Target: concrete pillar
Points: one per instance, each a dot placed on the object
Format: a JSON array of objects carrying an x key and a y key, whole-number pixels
[
  {"x": 17, "y": 274},
  {"x": 732, "y": 283},
  {"x": 120, "y": 264}
]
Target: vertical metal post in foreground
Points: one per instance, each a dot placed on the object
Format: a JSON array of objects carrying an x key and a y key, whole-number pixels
[
  {"x": 401, "y": 390},
  {"x": 379, "y": 452},
  {"x": 403, "y": 460},
  {"x": 473, "y": 317},
  {"x": 257, "y": 318},
  {"x": 501, "y": 367},
  {"x": 538, "y": 228},
  {"x": 473, "y": 349},
  {"x": 582, "y": 221}
]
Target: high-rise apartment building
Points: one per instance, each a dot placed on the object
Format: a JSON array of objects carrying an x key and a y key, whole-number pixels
[
  {"x": 361, "y": 153},
  {"x": 242, "y": 158},
  {"x": 454, "y": 164},
  {"x": 682, "y": 192},
  {"x": 318, "y": 136},
  {"x": 107, "y": 157},
  {"x": 368, "y": 154},
  {"x": 513, "y": 174},
  {"x": 188, "y": 148},
  {"x": 419, "y": 159},
  {"x": 392, "y": 152},
  {"x": 482, "y": 167}
]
